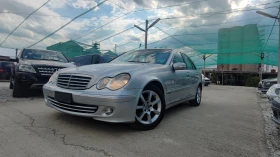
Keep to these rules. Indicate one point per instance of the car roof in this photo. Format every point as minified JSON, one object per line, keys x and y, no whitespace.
{"x":94,"y":54}
{"x":40,"y":50}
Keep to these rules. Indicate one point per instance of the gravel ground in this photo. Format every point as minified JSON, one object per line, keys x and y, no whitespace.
{"x":228,"y":123}
{"x":272,"y":131}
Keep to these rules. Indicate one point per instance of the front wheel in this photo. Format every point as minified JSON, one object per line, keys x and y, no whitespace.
{"x":197,"y":100}
{"x":18,"y":90}
{"x":11,"y":83}
{"x":150,"y":109}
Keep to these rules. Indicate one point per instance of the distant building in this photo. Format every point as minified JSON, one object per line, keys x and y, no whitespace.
{"x":72,"y":48}
{"x":69,"y":48}
{"x":239,"y":67}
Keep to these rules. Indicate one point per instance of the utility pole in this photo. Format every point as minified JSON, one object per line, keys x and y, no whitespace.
{"x":16,"y":52}
{"x":204,"y":58}
{"x":147,"y":29}
{"x":262,"y":57}
{"x":277,"y":18}
{"x":116,"y":48}
{"x":222,"y":74}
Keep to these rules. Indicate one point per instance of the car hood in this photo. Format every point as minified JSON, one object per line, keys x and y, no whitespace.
{"x":98,"y":71}
{"x":109,"y":69}
{"x":48,"y":63}
{"x":270,"y":80}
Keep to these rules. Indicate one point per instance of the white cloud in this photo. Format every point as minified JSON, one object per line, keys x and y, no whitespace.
{"x":48,"y":19}
{"x":84,"y":4}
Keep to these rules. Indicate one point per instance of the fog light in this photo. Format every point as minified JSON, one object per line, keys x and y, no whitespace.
{"x":108,"y":111}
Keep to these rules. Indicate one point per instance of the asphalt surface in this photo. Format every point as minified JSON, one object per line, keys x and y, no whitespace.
{"x":229,"y":122}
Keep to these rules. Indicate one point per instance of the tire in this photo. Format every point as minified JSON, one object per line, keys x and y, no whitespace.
{"x":18,"y":90}
{"x":197,"y":100}
{"x":11,"y":83}
{"x":151,"y":112}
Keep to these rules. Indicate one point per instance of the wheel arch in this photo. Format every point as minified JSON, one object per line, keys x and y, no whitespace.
{"x":157,"y":83}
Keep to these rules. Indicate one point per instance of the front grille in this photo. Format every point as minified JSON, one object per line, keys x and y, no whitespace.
{"x":73,"y":107}
{"x":73,"y":81}
{"x":47,"y":70}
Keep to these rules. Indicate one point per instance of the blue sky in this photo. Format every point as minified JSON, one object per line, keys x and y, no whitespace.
{"x":183,"y":17}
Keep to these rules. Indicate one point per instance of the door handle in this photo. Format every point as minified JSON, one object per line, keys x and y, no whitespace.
{"x":188,"y":74}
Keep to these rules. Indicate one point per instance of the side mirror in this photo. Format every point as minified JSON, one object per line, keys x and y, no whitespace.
{"x":179,"y":66}
{"x":17,"y":59}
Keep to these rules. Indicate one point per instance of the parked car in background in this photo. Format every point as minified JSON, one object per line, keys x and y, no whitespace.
{"x":92,"y":59}
{"x":205,"y":80}
{"x":276,"y":110}
{"x":34,"y":68}
{"x":5,"y":70}
{"x":273,"y":92}
{"x":265,"y":84}
{"x":136,"y":87}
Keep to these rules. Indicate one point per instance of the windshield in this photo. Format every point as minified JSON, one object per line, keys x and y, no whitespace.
{"x":43,"y":55}
{"x":148,"y":56}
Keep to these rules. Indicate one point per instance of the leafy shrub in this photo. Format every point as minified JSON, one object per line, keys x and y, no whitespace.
{"x":252,"y":81}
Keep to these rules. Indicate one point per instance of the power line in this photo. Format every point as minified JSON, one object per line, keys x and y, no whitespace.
{"x":69,"y":22}
{"x":163,"y":18}
{"x":218,"y":24}
{"x":214,"y":13}
{"x":271,"y":30}
{"x":102,"y":26}
{"x":171,"y":36}
{"x":23,"y":22}
{"x":116,"y":34}
{"x":126,"y":15}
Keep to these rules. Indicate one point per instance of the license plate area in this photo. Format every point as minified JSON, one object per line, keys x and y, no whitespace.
{"x":63,"y":97}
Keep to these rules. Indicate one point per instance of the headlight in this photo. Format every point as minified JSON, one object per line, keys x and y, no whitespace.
{"x":53,"y":78}
{"x":26,"y":68}
{"x":114,"y":83}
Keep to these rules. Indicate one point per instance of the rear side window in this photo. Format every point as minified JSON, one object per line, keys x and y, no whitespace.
{"x":189,"y":63}
{"x":82,"y":60}
{"x":96,"y":59}
{"x":178,"y":58}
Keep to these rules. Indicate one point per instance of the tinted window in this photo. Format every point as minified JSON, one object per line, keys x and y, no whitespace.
{"x":188,"y":62}
{"x":34,"y":54}
{"x":96,"y":59}
{"x":144,"y":56}
{"x":107,"y":58}
{"x":82,"y":60}
{"x":178,"y":58}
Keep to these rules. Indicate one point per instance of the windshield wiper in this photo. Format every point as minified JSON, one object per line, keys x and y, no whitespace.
{"x":137,"y":62}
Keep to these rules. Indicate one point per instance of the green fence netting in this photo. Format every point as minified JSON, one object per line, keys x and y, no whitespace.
{"x":227,"y":32}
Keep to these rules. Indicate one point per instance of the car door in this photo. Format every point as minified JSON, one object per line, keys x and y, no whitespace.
{"x":193,"y":75}
{"x":180,"y":85}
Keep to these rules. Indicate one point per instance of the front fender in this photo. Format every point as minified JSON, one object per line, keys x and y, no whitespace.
{"x":143,"y":81}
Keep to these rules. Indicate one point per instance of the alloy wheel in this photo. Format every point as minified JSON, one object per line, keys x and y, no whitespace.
{"x":149,"y":107}
{"x":198,"y":95}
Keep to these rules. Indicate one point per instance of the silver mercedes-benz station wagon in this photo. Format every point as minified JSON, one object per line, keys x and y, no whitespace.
{"x":136,"y":87}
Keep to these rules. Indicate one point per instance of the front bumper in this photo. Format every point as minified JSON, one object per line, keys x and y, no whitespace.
{"x":33,"y":80}
{"x":94,"y":103}
{"x":207,"y":82}
{"x":264,"y":90}
{"x":276,"y":114}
